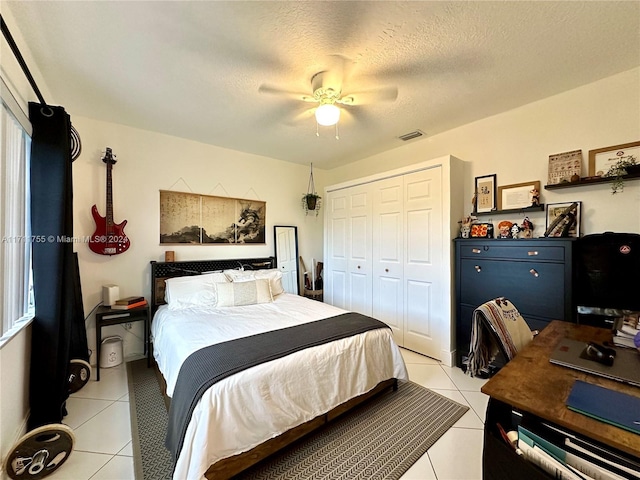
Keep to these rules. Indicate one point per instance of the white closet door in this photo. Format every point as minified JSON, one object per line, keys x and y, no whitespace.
{"x":336,"y":264}
{"x":348,"y":277}
{"x":359,"y":248}
{"x":388,"y":254}
{"x":425,"y":270}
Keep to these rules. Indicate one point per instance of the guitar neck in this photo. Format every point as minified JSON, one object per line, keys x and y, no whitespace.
{"x":109,"y":217}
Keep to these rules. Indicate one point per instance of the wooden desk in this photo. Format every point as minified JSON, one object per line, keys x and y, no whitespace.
{"x":531,"y":384}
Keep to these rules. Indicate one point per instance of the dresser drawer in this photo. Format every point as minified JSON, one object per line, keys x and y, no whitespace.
{"x":512,"y":251}
{"x":536,"y":288}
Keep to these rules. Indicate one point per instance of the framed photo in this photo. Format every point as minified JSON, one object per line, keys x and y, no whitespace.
{"x":601,"y":159}
{"x":554,"y":210}
{"x":486,"y":193}
{"x":518,"y":195}
{"x":563,"y":166}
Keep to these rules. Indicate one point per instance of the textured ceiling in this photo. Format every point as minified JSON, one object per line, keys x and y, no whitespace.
{"x":194,"y":69}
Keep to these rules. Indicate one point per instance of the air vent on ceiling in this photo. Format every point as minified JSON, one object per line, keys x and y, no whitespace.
{"x":411,"y":135}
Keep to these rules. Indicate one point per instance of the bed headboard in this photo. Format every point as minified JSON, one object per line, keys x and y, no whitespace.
{"x":160,"y":271}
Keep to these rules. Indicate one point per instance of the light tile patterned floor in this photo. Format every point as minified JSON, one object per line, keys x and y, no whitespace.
{"x":99,"y":415}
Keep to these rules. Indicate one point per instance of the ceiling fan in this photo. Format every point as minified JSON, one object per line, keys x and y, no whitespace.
{"x":327,"y":93}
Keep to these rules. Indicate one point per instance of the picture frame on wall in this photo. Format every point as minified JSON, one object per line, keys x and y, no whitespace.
{"x":194,"y":219}
{"x":602,"y":159}
{"x":564,"y":166}
{"x":554,"y":210}
{"x":518,"y":195}
{"x":485,"y":198}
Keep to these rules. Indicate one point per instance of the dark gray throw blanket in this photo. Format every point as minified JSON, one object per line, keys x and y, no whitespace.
{"x":211,"y":364}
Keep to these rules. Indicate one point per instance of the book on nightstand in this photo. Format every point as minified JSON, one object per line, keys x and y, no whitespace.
{"x":130,"y":306}
{"x":129,"y":300}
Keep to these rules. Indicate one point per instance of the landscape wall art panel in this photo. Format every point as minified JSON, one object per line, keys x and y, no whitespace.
{"x":194,"y":219}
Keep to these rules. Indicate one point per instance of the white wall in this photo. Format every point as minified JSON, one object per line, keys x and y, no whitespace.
{"x":516,"y":146}
{"x":149,"y":162}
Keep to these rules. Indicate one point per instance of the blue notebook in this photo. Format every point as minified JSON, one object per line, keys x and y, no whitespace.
{"x":619,"y":409}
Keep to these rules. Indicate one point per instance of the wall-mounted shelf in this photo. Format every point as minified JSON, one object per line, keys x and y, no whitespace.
{"x":590,"y":181}
{"x":537,"y":208}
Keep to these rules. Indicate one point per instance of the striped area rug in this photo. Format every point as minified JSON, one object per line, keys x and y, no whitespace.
{"x":381,"y":440}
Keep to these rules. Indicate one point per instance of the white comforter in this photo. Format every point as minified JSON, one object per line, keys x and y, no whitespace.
{"x":248,"y":408}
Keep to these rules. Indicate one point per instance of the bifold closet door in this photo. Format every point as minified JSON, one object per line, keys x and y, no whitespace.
{"x":425,"y":270}
{"x":349,"y":244}
{"x":388,"y":254}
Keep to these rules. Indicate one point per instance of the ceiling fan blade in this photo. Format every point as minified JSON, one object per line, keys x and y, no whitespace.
{"x":306,"y":114}
{"x":382,"y":94}
{"x":271,"y":90}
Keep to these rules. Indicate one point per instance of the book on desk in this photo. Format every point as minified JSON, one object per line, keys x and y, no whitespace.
{"x":563,"y":455}
{"x":567,"y":449}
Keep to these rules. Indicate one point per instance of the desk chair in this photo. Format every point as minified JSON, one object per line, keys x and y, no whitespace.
{"x":497,"y":329}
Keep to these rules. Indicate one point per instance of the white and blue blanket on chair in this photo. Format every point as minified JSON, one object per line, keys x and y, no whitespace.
{"x":496,"y":321}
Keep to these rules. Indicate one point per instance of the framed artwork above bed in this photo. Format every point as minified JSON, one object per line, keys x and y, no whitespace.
{"x":194,"y":219}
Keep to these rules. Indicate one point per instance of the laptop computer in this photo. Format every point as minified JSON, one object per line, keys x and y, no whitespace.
{"x":626,"y":366}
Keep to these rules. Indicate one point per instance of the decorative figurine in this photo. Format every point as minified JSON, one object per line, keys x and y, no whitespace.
{"x":504,"y":229}
{"x":515,"y":231}
{"x":535,"y":197}
{"x":526,"y":228}
{"x":465,"y":227}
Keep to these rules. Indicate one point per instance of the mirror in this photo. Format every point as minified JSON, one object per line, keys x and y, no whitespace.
{"x":286,"y":238}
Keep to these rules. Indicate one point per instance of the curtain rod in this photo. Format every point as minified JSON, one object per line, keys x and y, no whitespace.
{"x":20,"y":59}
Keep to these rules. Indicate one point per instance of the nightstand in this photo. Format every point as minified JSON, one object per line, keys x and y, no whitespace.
{"x":106,"y":316}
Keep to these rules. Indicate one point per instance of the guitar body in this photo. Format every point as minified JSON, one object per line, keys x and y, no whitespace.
{"x":108,"y":241}
{"x":109,"y":237}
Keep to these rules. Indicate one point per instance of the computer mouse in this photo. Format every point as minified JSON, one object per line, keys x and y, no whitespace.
{"x":601,"y":354}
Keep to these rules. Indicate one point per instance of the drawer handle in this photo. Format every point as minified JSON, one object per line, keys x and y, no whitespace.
{"x":386,"y":270}
{"x":476,"y":250}
{"x":534,"y":272}
{"x":358,"y":267}
{"x":478,"y":268}
{"x":533,"y":253}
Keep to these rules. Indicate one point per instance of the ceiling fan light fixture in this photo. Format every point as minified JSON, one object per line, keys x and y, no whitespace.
{"x":327,"y":114}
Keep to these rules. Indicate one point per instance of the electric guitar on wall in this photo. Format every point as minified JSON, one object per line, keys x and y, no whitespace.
{"x":109,"y":237}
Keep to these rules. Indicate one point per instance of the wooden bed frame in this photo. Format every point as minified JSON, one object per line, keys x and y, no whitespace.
{"x":228,"y":467}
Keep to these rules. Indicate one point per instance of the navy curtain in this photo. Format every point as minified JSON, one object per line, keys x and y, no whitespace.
{"x":58,"y":332}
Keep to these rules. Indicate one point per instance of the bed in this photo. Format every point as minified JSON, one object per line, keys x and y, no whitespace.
{"x":245,"y":416}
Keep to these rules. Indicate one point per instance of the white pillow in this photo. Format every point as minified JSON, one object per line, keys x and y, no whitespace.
{"x":250,"y":292}
{"x":192,"y":291}
{"x":273,"y":275}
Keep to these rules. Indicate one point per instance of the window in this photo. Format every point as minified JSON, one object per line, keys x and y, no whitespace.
{"x":16,"y":292}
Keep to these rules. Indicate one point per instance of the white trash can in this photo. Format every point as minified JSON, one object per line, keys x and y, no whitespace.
{"x":111,"y":352}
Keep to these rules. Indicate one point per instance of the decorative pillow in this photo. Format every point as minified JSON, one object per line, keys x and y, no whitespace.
{"x":273,"y":275}
{"x":250,"y":292}
{"x":192,"y":291}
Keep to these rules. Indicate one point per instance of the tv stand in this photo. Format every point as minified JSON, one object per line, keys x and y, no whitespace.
{"x":536,"y":390}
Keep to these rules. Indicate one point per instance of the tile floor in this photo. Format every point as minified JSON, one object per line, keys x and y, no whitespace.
{"x":99,"y":416}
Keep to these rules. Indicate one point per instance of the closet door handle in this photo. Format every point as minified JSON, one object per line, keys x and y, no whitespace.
{"x":478,"y":268}
{"x":533,"y":253}
{"x":534,"y":272}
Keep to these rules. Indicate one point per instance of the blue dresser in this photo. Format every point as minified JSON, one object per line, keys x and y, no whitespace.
{"x":536,"y":275}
